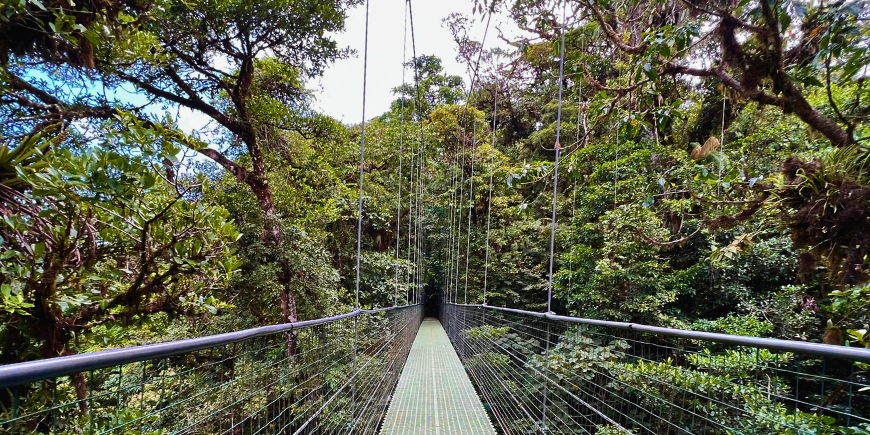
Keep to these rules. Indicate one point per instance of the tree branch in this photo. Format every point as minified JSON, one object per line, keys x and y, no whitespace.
{"x":612,"y":35}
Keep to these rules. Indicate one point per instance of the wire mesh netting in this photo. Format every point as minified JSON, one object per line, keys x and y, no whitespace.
{"x":325,"y":378}
{"x":540,"y":375}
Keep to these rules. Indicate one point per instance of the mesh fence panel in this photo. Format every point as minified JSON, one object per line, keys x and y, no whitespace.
{"x":540,"y":375}
{"x":328,"y":378}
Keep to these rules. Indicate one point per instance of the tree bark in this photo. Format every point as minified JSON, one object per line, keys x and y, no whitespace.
{"x":81,"y":387}
{"x":288,"y":314}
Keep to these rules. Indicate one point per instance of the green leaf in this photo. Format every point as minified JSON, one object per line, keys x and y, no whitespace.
{"x":148,"y":180}
{"x":812,"y":81}
{"x":665,"y":50}
{"x":38,"y":4}
{"x":784,"y":20}
{"x":39,"y":250}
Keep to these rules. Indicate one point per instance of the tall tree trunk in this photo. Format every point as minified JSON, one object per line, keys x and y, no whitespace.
{"x":288,"y":305}
{"x":78,"y":380}
{"x":258,"y":181}
{"x":260,"y":187}
{"x":259,"y":184}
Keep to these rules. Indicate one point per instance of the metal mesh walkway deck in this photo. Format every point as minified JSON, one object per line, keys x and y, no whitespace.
{"x":434,"y":395}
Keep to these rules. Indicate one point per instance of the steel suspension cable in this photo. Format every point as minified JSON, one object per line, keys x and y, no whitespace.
{"x":418,"y":226}
{"x":410,"y":222}
{"x":359,"y":210}
{"x":458,"y":195}
{"x":556,"y":165}
{"x":422,"y":145}
{"x":469,"y":95}
{"x":489,"y":201}
{"x":721,"y":147}
{"x":459,"y":220}
{"x":362,"y":149}
{"x":411,"y":216}
{"x":577,"y":141}
{"x":401,"y":151}
{"x":453,"y":230}
{"x":616,"y":162}
{"x":413,"y":229}
{"x":421,"y":280}
{"x":470,"y":201}
{"x":448,"y":270}
{"x":419,"y":207}
{"x":580,"y":105}
{"x":553,"y":220}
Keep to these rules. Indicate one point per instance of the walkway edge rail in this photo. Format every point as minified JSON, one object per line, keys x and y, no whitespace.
{"x":818,"y":349}
{"x":33,"y":371}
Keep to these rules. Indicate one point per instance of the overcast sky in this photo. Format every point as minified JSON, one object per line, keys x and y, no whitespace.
{"x":339,"y":91}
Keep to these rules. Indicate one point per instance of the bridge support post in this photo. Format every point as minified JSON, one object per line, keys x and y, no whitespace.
{"x":546,"y":376}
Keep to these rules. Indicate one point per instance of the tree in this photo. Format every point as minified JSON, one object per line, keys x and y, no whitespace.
{"x":199,"y":42}
{"x":64,"y":31}
{"x":103,"y":240}
{"x":435,"y":87}
{"x":209,"y":64}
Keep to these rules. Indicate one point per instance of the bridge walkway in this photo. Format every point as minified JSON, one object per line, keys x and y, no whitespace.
{"x":434,"y":394}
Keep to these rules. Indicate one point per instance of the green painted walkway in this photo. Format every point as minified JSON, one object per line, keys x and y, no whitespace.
{"x":434,"y":395}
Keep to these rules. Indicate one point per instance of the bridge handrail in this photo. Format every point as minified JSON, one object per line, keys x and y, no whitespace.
{"x":33,"y":371}
{"x":818,"y":349}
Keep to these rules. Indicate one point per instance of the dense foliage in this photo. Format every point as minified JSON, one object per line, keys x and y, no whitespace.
{"x":713,"y":173}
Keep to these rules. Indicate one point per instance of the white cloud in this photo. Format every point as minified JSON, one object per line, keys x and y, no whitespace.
{"x":339,"y":91}
{"x":192,"y":121}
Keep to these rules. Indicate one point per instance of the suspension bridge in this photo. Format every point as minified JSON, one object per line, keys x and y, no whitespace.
{"x":487,"y":370}
{"x":475,"y":369}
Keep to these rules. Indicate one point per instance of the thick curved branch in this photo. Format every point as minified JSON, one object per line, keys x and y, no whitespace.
{"x":612,"y":35}
{"x":654,"y":242}
{"x":240,"y":172}
{"x":196,"y":104}
{"x":791,"y":101}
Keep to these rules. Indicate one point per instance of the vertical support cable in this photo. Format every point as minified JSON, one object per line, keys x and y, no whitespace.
{"x":410,"y":221}
{"x":553,"y":222}
{"x":581,"y":106}
{"x":462,"y":176}
{"x":616,"y":166}
{"x":362,"y":150}
{"x":470,"y":199}
{"x":401,"y":151}
{"x":449,"y":268}
{"x":415,"y":230}
{"x":459,"y":208}
{"x":576,"y":142}
{"x":470,"y":208}
{"x":556,"y":165}
{"x":721,"y":147}
{"x":489,"y":201}
{"x":454,"y":236}
{"x":359,"y":217}
{"x":421,"y":148}
{"x":421,"y":206}
{"x":412,"y":234}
